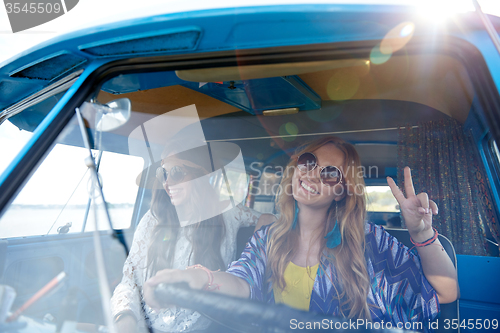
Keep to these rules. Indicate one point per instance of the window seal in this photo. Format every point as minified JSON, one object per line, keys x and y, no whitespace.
{"x":47,"y":92}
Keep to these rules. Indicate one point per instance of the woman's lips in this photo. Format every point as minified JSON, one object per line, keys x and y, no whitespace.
{"x":307,"y":187}
{"x":174,"y":193}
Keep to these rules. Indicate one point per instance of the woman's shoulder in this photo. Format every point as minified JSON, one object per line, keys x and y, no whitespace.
{"x":261,"y":235}
{"x":264,"y":230}
{"x":147,"y":221}
{"x":372,"y":228}
{"x":148,"y":216}
{"x":378,"y":233}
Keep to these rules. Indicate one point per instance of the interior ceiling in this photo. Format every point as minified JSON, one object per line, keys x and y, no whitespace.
{"x":438,"y":81}
{"x":237,"y":73}
{"x":362,"y":104}
{"x":161,"y":100}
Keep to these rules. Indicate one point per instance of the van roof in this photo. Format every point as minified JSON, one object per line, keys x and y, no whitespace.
{"x":244,"y":28}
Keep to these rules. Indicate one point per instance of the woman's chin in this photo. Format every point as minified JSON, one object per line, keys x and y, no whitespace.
{"x":178,"y":199}
{"x":178,"y":203}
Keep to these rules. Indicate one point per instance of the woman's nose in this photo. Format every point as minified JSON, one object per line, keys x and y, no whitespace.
{"x":313,"y":175}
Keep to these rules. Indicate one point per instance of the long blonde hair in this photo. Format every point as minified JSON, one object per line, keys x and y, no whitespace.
{"x":348,"y":258}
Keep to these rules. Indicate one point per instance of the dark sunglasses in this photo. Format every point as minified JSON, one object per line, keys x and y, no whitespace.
{"x":329,"y":175}
{"x":176,"y":174}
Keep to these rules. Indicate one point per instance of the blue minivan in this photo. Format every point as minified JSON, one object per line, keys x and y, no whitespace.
{"x":85,"y":119}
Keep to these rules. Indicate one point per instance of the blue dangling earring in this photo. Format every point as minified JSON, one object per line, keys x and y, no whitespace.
{"x":296,"y":216}
{"x":334,"y":238}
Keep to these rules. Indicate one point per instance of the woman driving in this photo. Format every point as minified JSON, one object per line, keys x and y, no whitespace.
{"x":321,"y":255}
{"x":187,"y":225}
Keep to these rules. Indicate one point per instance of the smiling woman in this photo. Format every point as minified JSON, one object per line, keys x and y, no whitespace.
{"x":188,"y":225}
{"x":219,"y":103}
{"x":322,"y":256}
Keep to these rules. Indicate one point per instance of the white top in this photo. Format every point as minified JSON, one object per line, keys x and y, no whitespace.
{"x":125,"y":296}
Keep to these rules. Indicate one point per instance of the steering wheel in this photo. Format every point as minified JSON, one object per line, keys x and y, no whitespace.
{"x":250,"y":316}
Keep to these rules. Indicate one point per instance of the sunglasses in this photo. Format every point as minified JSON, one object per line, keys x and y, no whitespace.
{"x":329,"y":175}
{"x":175,"y":175}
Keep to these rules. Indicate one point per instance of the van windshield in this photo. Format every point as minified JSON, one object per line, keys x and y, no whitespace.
{"x":16,"y":130}
{"x":203,"y":154}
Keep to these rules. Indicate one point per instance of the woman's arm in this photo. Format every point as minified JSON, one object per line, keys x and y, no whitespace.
{"x":438,"y":267}
{"x":417,"y":211}
{"x":197,"y":279}
{"x":244,"y":278}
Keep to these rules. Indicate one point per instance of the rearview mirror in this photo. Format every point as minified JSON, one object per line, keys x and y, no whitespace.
{"x":112,"y":115}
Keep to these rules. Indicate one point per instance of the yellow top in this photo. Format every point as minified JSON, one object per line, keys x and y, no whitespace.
{"x":299,"y":285}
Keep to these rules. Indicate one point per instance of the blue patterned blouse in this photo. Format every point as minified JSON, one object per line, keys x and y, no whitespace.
{"x":399,"y":291}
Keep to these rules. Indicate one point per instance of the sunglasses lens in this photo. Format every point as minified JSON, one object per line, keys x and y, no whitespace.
{"x":176,"y":174}
{"x":161,"y":175}
{"x":306,"y":162}
{"x":331,"y":175}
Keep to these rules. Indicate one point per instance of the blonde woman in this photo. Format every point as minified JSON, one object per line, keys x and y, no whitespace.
{"x":321,"y":255}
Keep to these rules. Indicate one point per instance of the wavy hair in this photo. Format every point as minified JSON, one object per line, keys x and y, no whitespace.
{"x":205,"y":236}
{"x":348,"y":258}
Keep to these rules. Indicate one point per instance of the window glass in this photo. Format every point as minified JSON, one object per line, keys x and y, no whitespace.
{"x":18,"y":129}
{"x":264,"y":206}
{"x":56,"y":198}
{"x":183,"y":167}
{"x":269,"y":184}
{"x":237,"y":181}
{"x":380,"y":199}
{"x":12,"y":140}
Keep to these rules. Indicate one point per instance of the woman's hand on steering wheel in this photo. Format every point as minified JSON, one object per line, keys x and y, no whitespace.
{"x":417,"y":210}
{"x":196,"y":278}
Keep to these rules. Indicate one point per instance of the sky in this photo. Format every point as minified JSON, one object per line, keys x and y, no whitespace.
{"x":94,"y":12}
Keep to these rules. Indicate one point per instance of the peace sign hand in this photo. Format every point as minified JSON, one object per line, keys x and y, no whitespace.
{"x":417,"y":210}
